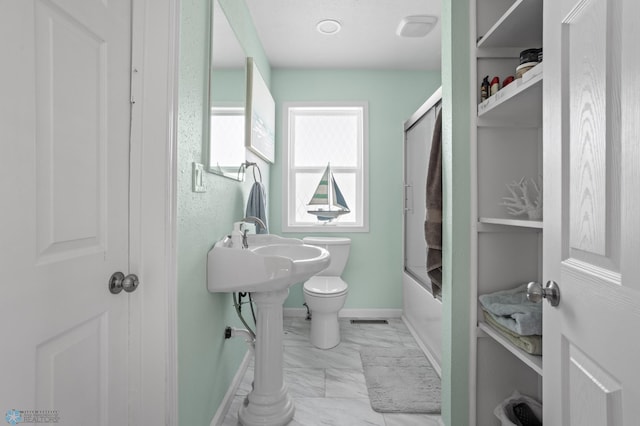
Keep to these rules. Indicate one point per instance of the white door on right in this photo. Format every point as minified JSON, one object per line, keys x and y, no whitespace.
{"x":591,"y":357}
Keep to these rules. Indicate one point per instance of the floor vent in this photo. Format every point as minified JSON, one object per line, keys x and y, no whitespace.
{"x":369,"y":321}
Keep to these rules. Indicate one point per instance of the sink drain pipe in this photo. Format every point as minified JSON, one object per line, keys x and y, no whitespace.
{"x":248,"y":334}
{"x":236,"y":304}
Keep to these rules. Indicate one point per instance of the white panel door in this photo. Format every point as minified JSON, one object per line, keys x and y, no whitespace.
{"x":64,"y":124}
{"x":592,"y":212}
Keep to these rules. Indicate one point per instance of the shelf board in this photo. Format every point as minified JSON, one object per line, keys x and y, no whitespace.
{"x":537,"y":224}
{"x":520,"y":26}
{"x":532,"y":361}
{"x":520,"y":103}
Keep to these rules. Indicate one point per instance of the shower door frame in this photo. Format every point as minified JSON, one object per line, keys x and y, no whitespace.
{"x":433,"y":103}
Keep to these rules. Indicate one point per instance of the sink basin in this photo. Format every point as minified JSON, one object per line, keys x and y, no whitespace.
{"x":270,"y":263}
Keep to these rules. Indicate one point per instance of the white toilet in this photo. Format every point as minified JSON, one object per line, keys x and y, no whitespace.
{"x":325,"y":293}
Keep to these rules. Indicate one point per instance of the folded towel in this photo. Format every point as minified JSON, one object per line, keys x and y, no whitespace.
{"x":530,"y":344}
{"x":512,"y":309}
{"x":257,"y":206}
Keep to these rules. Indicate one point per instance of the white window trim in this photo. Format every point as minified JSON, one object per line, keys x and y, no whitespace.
{"x":287,"y":189}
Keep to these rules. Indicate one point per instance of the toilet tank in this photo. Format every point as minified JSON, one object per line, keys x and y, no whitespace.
{"x":338,"y":248}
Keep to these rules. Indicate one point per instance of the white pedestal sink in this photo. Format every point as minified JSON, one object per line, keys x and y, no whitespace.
{"x":267,"y":269}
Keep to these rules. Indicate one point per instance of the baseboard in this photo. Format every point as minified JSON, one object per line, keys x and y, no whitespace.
{"x":218,"y":418}
{"x":423,"y":347}
{"x":349,"y":313}
{"x":295,"y":312}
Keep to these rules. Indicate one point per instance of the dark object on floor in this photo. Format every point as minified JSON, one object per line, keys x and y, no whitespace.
{"x":519,"y":410}
{"x":525,"y":415}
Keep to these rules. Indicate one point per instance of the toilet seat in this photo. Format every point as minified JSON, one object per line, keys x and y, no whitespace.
{"x":323,"y":286}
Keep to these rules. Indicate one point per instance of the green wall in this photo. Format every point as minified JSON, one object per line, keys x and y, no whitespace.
{"x":229,"y":85}
{"x":456,"y":220}
{"x":375,"y":263}
{"x":206,"y":362}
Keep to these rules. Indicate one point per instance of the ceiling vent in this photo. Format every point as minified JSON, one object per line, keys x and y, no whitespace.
{"x":416,"y":26}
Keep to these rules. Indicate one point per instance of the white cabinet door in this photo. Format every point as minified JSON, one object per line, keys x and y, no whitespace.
{"x":64,"y":185}
{"x":592,"y":212}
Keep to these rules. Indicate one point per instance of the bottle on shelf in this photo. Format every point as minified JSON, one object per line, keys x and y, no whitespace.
{"x":484,"y":89}
{"x":495,"y":85}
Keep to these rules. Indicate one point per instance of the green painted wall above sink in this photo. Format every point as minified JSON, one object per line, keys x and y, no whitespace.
{"x":375,"y":262}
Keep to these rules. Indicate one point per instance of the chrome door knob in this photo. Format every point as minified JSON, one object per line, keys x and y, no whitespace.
{"x":551,"y":292}
{"x":119,"y":282}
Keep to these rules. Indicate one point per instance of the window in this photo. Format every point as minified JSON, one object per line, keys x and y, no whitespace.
{"x":319,"y":135}
{"x":226,"y":128}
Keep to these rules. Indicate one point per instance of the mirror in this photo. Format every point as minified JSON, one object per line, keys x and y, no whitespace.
{"x":224,"y":141}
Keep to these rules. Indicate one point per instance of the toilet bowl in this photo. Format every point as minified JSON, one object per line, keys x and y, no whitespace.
{"x":326,"y":292}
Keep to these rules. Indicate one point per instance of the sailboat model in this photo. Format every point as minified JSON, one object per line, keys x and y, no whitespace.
{"x":327,"y":202}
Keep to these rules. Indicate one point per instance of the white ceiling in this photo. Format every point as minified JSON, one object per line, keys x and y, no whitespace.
{"x":368,"y":40}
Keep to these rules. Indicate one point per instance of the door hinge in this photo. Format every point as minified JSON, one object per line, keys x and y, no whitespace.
{"x":134,"y":85}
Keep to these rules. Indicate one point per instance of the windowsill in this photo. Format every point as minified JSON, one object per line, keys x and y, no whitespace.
{"x":328,"y":228}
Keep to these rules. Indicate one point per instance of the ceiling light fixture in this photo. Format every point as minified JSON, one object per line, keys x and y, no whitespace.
{"x":328,"y":27}
{"x":416,"y":26}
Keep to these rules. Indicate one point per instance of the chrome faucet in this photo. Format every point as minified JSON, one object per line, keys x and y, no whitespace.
{"x":254,"y":219}
{"x":250,"y":219}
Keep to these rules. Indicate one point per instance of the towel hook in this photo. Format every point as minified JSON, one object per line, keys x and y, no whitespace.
{"x":255,"y":166}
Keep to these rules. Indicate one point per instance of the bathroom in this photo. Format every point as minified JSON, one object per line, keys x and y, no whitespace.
{"x":161,"y":296}
{"x":156,"y":346}
{"x":206,"y":362}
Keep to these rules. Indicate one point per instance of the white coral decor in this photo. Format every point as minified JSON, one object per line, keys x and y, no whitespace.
{"x":526,"y":198}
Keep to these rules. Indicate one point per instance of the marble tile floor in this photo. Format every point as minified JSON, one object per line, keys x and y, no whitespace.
{"x":328,"y":386}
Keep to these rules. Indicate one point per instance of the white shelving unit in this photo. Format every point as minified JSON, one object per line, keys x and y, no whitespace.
{"x":520,"y":25}
{"x":512,"y":222}
{"x":532,"y":361}
{"x":518,"y":104}
{"x":508,"y":146}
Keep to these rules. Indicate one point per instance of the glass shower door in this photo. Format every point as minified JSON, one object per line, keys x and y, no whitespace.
{"x":417,"y":147}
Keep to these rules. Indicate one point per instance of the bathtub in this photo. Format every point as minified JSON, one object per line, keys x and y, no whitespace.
{"x":422,"y":313}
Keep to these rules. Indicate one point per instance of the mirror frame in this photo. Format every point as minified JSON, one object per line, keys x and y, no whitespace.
{"x":235,"y":172}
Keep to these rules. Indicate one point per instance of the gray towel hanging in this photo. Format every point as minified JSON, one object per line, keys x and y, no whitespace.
{"x":433,"y":222}
{"x":257,"y":206}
